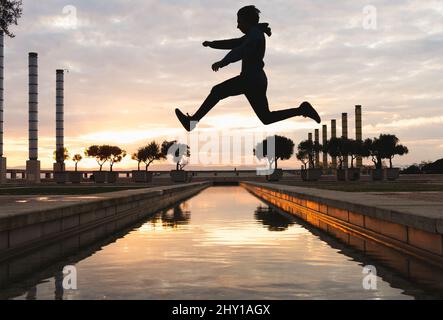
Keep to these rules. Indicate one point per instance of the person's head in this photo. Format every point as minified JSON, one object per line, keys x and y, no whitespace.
{"x":247,"y":17}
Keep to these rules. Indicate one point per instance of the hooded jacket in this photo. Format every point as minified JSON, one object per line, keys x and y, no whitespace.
{"x":250,"y":49}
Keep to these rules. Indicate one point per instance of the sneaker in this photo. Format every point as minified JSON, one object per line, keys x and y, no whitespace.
{"x":308,"y":111}
{"x":185,"y":120}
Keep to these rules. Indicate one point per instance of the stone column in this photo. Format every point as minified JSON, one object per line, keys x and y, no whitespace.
{"x":310,"y":139}
{"x":344,"y":134}
{"x":317,"y":154}
{"x":59,"y":118}
{"x":324,"y":141}
{"x":2,"y":159}
{"x":33,"y":164}
{"x":334,"y":135}
{"x":358,"y":131}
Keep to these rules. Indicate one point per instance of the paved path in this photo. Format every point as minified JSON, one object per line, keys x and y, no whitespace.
{"x":415,"y":209}
{"x":16,"y":205}
{"x":431,"y":196}
{"x":10,"y":205}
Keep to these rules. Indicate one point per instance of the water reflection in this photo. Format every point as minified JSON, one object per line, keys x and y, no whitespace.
{"x":177,"y":216}
{"x":234,"y":247}
{"x":272,"y":219}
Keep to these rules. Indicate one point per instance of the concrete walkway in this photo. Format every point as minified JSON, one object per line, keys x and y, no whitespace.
{"x":429,"y":196}
{"x":22,"y":204}
{"x":404,"y":208}
{"x":30,"y":221}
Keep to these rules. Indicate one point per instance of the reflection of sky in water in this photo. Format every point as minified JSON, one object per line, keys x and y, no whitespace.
{"x":216,"y":246}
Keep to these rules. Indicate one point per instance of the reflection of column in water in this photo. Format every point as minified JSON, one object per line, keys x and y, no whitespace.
{"x":59,"y":285}
{"x":32,"y":293}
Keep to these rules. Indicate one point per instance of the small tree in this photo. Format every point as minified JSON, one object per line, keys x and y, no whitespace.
{"x":384,"y":147}
{"x":356,"y":149}
{"x":150,"y":153}
{"x":390,"y":147}
{"x":179,"y":152}
{"x":77,"y":158}
{"x":10,"y":12}
{"x":61,"y":155}
{"x":303,"y":156}
{"x":283,"y":150}
{"x":116,"y":155}
{"x":135,"y":157}
{"x":373,"y":150}
{"x":100,"y":153}
{"x":307,"y":150}
{"x":339,"y":148}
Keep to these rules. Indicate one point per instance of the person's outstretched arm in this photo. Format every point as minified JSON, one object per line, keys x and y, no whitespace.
{"x":225,"y":44}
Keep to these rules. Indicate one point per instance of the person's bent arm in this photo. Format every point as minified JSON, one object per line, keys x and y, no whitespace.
{"x":236,"y":54}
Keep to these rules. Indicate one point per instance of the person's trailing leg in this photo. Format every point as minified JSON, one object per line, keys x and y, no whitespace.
{"x":259,"y":103}
{"x":228,"y":88}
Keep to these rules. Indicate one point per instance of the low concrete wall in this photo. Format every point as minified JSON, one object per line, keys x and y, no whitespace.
{"x":28,"y":230}
{"x":419,"y":235}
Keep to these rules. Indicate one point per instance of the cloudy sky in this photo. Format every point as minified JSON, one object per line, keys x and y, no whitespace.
{"x":131,"y":62}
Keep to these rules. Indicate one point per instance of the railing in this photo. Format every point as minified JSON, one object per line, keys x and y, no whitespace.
{"x":20,"y":174}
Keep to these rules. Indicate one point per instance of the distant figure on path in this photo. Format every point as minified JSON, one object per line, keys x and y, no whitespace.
{"x":252,"y":81}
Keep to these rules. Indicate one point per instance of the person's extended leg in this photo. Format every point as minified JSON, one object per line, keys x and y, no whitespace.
{"x":256,"y":95}
{"x":228,"y":88}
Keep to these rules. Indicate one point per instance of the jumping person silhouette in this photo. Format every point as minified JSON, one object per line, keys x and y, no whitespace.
{"x":252,"y":81}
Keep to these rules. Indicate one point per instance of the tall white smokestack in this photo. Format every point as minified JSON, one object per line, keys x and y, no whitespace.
{"x":33,"y":165}
{"x":2,"y":159}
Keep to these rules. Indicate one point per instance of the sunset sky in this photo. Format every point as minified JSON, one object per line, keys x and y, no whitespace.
{"x":132,"y":62}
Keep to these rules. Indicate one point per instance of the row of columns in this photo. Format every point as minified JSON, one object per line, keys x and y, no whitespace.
{"x":33,"y":164}
{"x":344,"y":121}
